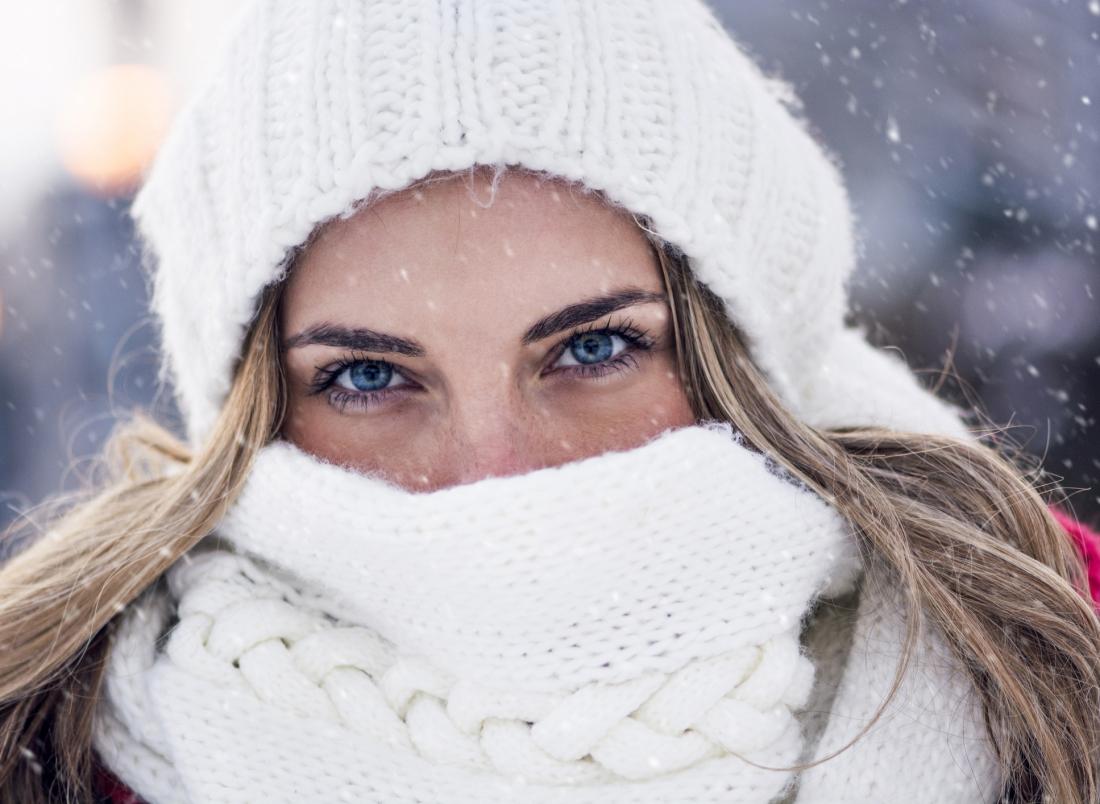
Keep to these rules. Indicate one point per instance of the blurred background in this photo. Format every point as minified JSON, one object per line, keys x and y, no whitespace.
{"x":968,"y":131}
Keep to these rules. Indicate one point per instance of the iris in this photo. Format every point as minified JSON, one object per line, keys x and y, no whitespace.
{"x":592,"y":347}
{"x":370,"y":375}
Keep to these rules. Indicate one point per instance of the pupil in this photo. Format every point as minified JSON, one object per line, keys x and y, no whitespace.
{"x":592,"y":347}
{"x":370,"y":376}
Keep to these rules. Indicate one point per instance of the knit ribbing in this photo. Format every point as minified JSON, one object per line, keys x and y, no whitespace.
{"x":607,"y":630}
{"x":318,"y":104}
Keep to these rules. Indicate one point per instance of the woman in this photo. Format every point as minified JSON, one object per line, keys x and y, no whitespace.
{"x":561,"y":482}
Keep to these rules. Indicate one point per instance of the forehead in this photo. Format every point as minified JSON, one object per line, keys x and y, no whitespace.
{"x":454,"y":245}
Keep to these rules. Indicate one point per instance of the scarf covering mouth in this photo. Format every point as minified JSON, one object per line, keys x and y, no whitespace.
{"x":625,"y":627}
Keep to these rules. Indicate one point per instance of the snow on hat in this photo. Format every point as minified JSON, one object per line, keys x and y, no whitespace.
{"x":317,"y":103}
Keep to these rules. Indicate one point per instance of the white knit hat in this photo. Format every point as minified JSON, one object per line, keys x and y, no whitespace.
{"x":316,"y":103}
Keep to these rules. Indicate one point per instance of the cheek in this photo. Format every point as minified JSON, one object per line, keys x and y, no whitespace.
{"x":391,"y":446}
{"x":627,"y":416}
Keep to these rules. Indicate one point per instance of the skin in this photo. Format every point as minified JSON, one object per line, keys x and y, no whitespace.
{"x":466,"y":282}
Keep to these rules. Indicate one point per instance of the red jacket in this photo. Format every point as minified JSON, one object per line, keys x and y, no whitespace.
{"x":112,"y":791}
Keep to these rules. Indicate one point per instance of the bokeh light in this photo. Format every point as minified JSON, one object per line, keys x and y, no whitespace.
{"x":110,"y":125}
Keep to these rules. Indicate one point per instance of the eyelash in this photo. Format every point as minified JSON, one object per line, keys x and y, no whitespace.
{"x":637,"y":340}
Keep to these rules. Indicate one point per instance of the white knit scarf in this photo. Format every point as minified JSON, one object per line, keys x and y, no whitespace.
{"x":629,"y":627}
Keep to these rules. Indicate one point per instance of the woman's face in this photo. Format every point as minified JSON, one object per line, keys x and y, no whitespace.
{"x":436,"y":341}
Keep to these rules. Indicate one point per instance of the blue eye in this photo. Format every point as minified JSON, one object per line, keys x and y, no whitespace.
{"x":589,"y":348}
{"x":365,"y":376}
{"x":594,"y":347}
{"x":363,"y":383}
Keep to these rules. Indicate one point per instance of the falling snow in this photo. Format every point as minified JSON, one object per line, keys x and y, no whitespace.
{"x":893,"y":133}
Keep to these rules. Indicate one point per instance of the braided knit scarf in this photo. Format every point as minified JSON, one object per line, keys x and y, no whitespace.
{"x":639,"y":626}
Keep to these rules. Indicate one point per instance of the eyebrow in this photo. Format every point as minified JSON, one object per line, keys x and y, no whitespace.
{"x":589,"y":310}
{"x":368,"y":340}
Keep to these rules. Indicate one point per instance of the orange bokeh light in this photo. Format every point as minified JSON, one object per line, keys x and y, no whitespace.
{"x":110,"y":126}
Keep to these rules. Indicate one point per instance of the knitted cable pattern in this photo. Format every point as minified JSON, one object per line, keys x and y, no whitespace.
{"x":607,"y":630}
{"x":238,"y":629}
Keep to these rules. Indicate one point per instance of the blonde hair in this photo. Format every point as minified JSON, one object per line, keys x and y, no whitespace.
{"x":960,"y":525}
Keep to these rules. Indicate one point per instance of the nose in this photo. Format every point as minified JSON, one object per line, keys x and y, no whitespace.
{"x":492,"y":438}
{"x":499,"y":457}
